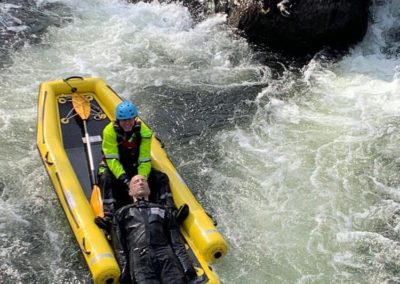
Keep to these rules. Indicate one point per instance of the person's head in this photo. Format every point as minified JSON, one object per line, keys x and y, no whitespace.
{"x":139,"y":188}
{"x":126,"y":114}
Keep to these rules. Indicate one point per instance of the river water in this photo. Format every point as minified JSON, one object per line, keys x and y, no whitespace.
{"x":299,"y":166}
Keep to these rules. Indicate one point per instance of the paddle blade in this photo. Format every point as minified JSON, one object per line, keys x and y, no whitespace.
{"x":81,"y":105}
{"x":96,"y":202}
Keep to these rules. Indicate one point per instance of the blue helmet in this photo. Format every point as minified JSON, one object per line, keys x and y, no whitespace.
{"x":126,"y":110}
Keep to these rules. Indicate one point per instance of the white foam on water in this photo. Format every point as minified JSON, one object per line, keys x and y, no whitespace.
{"x":319,"y":151}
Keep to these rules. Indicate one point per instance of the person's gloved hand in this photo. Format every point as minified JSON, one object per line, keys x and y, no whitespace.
{"x":190,"y":272}
{"x":181,"y":213}
{"x":124,"y":180}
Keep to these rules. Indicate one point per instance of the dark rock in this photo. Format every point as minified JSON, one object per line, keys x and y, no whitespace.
{"x":311,"y":25}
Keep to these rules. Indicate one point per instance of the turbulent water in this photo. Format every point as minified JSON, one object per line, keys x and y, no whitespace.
{"x":300,"y":167}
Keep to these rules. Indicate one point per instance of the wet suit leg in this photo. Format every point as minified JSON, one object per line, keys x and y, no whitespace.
{"x":105,"y":179}
{"x":141,"y":267}
{"x":160,"y":191}
{"x":113,"y":192}
{"x":168,"y":266}
{"x":156,"y":265}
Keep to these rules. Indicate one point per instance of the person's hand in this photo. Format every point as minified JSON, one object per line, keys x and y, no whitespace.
{"x":181,"y":213}
{"x":190,"y":272}
{"x":124,"y":180}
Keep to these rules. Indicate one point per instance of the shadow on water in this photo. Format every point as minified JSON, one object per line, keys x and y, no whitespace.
{"x":24,"y":21}
{"x":195,"y":113}
{"x":187,"y":121}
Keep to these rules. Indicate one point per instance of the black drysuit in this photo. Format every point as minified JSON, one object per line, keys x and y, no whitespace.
{"x":147,"y":244}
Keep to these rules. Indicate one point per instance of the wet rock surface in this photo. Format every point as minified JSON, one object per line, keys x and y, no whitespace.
{"x":24,"y":21}
{"x":311,"y":25}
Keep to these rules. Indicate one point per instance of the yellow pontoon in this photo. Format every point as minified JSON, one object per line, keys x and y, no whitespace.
{"x":71,"y":146}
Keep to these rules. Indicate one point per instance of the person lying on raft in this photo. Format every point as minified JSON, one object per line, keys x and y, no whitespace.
{"x":146,"y":241}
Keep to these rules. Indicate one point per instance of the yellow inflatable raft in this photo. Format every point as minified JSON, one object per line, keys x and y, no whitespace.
{"x":69,"y":160}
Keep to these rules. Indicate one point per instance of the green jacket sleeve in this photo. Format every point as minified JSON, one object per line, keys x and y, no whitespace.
{"x":145,"y":151}
{"x":110,"y":150}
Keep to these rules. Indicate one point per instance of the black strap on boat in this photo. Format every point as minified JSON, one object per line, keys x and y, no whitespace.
{"x":73,"y":89}
{"x":73,"y":77}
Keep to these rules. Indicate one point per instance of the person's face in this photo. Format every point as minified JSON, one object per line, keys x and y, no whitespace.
{"x":127,"y":124}
{"x":139,"y":188}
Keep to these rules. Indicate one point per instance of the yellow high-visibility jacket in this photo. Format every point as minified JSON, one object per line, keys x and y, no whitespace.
{"x":121,"y":153}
